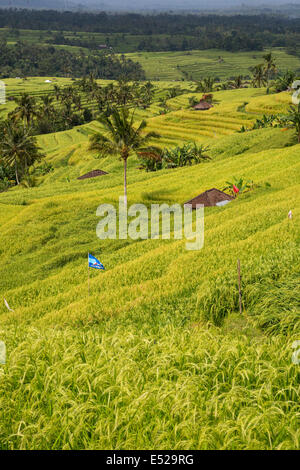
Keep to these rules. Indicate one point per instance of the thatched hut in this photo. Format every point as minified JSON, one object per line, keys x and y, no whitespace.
{"x":211,"y":197}
{"x":92,"y":174}
{"x":203,"y":106}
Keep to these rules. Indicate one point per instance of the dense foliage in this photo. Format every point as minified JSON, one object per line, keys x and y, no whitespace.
{"x":163,"y":31}
{"x":18,"y":150}
{"x":27,"y":59}
{"x":179,"y":156}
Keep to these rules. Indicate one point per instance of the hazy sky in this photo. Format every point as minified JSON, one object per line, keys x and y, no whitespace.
{"x":185,"y":3}
{"x":144,"y":4}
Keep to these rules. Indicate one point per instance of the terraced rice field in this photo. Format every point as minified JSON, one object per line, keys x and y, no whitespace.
{"x":38,"y":87}
{"x":158,"y":356}
{"x":199,"y":64}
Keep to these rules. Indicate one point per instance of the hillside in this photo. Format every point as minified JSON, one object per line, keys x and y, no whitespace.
{"x":158,"y":356}
{"x":200,"y":63}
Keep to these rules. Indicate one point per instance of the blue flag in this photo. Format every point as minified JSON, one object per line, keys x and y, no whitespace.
{"x":95,"y":263}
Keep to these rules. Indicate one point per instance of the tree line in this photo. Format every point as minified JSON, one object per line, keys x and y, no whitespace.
{"x":163,"y":31}
{"x":25,"y":59}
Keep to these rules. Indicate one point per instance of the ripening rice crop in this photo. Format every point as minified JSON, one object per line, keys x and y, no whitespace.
{"x":158,"y":356}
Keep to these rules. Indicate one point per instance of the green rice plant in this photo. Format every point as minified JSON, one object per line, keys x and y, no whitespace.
{"x":158,"y":356}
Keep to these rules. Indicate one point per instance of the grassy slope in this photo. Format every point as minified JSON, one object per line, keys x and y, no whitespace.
{"x":157,"y":357}
{"x":199,"y":64}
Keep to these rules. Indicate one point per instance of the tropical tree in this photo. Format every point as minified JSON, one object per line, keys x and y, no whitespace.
{"x":206,"y":85}
{"x":185,"y":155}
{"x":283,"y":82}
{"x":77,"y":102}
{"x":238,"y":81}
{"x":193,"y":101}
{"x":18,"y":149}
{"x":188,"y":154}
{"x":121,"y":138}
{"x":293,"y":119}
{"x":259,"y":76}
{"x":57,"y":92}
{"x":151,"y":159}
{"x":173,"y":92}
{"x":47,"y":107}
{"x":124,"y":92}
{"x":26,"y":108}
{"x":270,"y":65}
{"x":148,"y":92}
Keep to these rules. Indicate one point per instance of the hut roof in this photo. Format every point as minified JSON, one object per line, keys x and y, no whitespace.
{"x":203,"y":105}
{"x":211,"y":197}
{"x":92,"y":174}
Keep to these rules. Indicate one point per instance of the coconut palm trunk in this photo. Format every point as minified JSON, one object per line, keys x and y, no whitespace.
{"x":125,"y":183}
{"x":16,"y":172}
{"x":125,"y":155}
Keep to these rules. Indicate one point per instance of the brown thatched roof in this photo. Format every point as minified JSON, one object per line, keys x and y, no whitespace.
{"x":203,"y":105}
{"x":92,"y":174}
{"x":211,"y":197}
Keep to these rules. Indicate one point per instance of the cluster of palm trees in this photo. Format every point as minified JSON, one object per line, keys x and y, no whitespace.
{"x":262,"y":73}
{"x":46,"y":115}
{"x":18,"y":148}
{"x":122,"y":93}
{"x":62,"y":109}
{"x":209,"y":84}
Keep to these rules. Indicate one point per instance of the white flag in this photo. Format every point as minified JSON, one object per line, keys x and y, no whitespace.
{"x":290,"y":215}
{"x":7,"y":306}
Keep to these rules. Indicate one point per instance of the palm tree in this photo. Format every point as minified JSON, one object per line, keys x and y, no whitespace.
{"x":285,"y":81}
{"x":122,"y":138}
{"x":18,"y":148}
{"x":47,"y":108}
{"x":66,"y":110}
{"x":124,"y":92}
{"x":238,"y":81}
{"x":259,"y":76}
{"x":206,"y":85}
{"x":270,"y":65}
{"x":57,"y":92}
{"x":147,"y":94}
{"x":26,"y":107}
{"x":77,"y":102}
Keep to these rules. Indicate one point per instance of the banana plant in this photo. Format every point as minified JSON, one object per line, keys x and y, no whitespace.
{"x":238,"y":186}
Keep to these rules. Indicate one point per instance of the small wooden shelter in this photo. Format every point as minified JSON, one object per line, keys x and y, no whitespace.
{"x":92,"y":174}
{"x":211,"y":197}
{"x":203,"y":106}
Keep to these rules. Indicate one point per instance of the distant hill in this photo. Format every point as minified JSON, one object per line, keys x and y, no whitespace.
{"x":232,"y":6}
{"x":41,"y":4}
